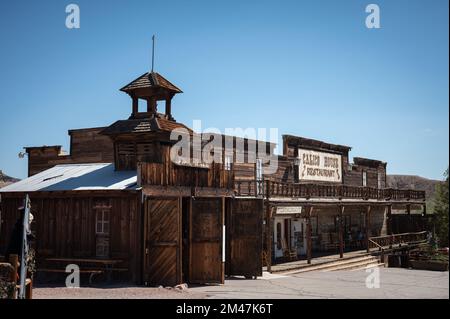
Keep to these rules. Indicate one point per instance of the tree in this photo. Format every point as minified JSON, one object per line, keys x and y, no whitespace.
{"x":441,"y":211}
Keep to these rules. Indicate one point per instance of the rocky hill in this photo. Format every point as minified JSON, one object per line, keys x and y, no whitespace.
{"x":6,"y":180}
{"x":413,"y":182}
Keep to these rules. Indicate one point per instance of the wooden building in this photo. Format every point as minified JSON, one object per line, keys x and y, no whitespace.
{"x":118,"y":196}
{"x":319,"y":202}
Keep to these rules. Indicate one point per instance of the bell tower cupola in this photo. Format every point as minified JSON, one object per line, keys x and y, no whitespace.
{"x":152,"y":88}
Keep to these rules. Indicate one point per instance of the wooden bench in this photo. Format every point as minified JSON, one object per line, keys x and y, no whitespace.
{"x":92,"y":272}
{"x":87,"y":265}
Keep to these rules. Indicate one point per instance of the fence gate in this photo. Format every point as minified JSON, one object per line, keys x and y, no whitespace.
{"x":206,"y":241}
{"x":162,"y":233}
{"x":244,"y":232}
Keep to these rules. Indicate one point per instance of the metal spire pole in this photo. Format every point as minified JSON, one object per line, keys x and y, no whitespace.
{"x":153,"y":52}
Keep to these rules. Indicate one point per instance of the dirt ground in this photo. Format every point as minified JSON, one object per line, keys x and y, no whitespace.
{"x":394,"y":283}
{"x":114,"y":292}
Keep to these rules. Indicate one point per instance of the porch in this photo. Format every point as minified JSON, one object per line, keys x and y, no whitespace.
{"x":378,"y":246}
{"x":308,"y":224}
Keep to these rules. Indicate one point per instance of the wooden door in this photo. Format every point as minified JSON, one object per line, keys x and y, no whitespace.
{"x":244,"y":232}
{"x":206,"y":241}
{"x":162,"y":231}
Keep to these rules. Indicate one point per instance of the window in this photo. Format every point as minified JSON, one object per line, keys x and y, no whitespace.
{"x":228,"y":162}
{"x":102,"y":222}
{"x":259,"y":170}
{"x":380,"y":180}
{"x":102,"y":218}
{"x":364,"y":178}
{"x":259,"y":177}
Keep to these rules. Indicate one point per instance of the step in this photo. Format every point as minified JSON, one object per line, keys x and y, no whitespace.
{"x":294,"y":266}
{"x":353,"y":265}
{"x":378,"y":265}
{"x":331,"y":264}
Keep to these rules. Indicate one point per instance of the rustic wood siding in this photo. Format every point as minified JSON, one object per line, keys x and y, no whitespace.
{"x":86,"y":146}
{"x":65,"y":227}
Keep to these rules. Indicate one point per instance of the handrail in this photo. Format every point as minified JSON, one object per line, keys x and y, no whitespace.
{"x":399,"y":239}
{"x":375,"y":244}
{"x":394,"y":239}
{"x":402,"y":234}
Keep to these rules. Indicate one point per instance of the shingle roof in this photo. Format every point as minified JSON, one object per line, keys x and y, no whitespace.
{"x":150,"y":80}
{"x":154,"y":124}
{"x":72,"y":177}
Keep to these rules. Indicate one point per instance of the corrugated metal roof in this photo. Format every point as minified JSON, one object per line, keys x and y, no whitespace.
{"x":98,"y":176}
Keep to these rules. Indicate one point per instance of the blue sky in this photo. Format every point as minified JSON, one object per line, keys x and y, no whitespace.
{"x":309,"y":68}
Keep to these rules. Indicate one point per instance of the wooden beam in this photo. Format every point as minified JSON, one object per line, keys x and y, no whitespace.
{"x":14,"y":261}
{"x":368,"y":227}
{"x":224,"y":238}
{"x":269,"y":234}
{"x":135,"y":106}
{"x":408,"y":213}
{"x":309,"y":210}
{"x":212,"y":192}
{"x":169,"y":108}
{"x":341,"y":235}
{"x":389,"y":220}
{"x":167,"y":191}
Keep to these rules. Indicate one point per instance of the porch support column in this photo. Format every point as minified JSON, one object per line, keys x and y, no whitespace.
{"x":408,"y":213}
{"x":389,"y":224}
{"x":389,"y":220}
{"x":269,"y":236}
{"x":368,"y":227}
{"x":309,"y":210}
{"x":341,"y":235}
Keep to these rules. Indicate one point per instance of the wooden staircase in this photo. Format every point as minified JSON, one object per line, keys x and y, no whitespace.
{"x":352,"y":263}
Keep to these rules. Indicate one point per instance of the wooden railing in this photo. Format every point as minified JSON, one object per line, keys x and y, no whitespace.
{"x":279,"y":189}
{"x":383,"y":243}
{"x":389,"y":241}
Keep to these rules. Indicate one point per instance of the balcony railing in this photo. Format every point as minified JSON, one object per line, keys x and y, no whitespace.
{"x":272,"y":189}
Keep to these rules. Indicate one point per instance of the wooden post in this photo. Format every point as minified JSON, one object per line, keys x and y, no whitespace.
{"x":14,"y":261}
{"x":341,"y":235}
{"x":29,"y":290}
{"x":389,"y":225}
{"x":308,"y":233}
{"x":169,"y":108}
{"x":223,"y":239}
{"x":408,"y":212}
{"x":135,"y":105}
{"x":151,"y":105}
{"x":269,"y":234}
{"x":389,"y":220}
{"x":367,"y":227}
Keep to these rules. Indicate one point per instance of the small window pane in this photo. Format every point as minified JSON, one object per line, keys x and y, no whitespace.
{"x":106,"y":228}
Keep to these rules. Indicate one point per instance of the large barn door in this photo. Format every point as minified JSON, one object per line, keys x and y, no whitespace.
{"x":244,"y":231}
{"x":206,"y":241}
{"x":162,"y":255}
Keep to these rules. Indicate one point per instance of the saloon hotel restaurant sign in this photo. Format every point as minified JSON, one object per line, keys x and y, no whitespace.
{"x":319,"y":166}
